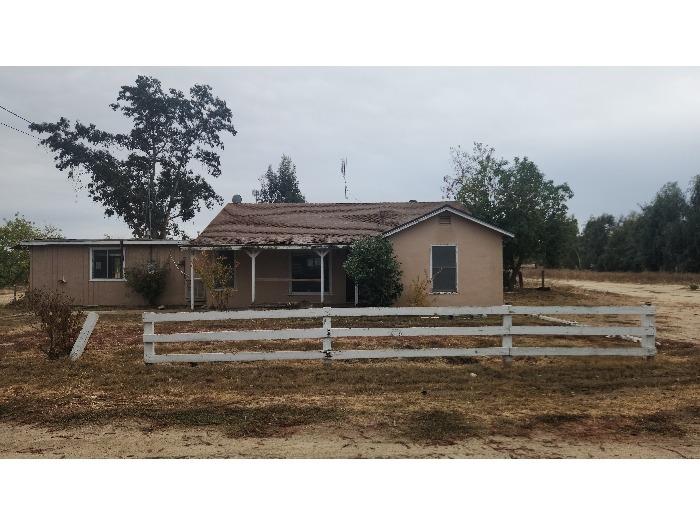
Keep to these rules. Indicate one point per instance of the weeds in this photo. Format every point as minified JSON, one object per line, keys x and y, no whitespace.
{"x":438,"y":427}
{"x":418,"y":293}
{"x":59,"y":321}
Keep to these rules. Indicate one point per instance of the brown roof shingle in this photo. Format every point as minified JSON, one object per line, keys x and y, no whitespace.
{"x":310,"y":223}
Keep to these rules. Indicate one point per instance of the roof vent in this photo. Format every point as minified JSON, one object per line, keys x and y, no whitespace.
{"x":413,"y":200}
{"x":236,"y":199}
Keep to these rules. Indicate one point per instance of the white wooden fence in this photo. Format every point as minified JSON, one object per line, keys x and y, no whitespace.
{"x":506,"y":330}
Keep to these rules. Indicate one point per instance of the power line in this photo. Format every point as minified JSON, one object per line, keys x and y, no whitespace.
{"x":11,"y":127}
{"x":16,"y":115}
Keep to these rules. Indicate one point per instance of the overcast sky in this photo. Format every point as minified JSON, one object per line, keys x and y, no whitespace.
{"x":615,"y":135}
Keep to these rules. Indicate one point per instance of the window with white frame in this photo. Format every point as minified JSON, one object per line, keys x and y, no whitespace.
{"x":444,"y":268}
{"x":305,"y":268}
{"x":106,"y":263}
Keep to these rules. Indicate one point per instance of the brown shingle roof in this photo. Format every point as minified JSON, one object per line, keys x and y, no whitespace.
{"x":311,"y":223}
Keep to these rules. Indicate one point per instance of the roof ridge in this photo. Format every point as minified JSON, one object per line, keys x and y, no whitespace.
{"x":327,"y":203}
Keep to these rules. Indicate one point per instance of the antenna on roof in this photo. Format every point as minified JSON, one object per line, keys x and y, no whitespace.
{"x":343,"y":168}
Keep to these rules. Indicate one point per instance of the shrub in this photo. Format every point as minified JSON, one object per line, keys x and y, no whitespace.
{"x":59,"y":321}
{"x":148,"y":280}
{"x":693,"y":286}
{"x":418,"y":293}
{"x":216,"y":275}
{"x":372,"y":264}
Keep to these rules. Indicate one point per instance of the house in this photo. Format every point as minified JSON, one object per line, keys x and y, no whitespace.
{"x":284,"y":253}
{"x":91,"y":271}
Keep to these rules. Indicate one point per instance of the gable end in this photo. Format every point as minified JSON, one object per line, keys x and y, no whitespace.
{"x":441,"y":212}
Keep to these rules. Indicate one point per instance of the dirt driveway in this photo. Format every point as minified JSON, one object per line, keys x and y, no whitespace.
{"x":678,"y":307}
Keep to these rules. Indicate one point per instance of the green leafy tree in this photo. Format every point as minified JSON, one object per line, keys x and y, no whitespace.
{"x":662,"y":230}
{"x":622,"y":253}
{"x":280,"y":186}
{"x":372,"y":264}
{"x":560,"y":245}
{"x":693,"y":227}
{"x":153,"y":175}
{"x":14,"y":263}
{"x":594,"y":240}
{"x":514,"y":196}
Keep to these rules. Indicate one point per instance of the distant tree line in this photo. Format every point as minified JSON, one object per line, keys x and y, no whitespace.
{"x":664,"y":235}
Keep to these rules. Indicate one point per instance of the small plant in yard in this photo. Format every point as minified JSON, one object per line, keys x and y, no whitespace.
{"x":58,"y":319}
{"x":216,"y":276}
{"x":418,"y":293}
{"x":148,"y":280}
{"x":693,"y":286}
{"x":372,"y":264}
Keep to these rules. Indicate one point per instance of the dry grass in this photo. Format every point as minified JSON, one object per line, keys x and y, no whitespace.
{"x":435,"y":401}
{"x":533,"y":274}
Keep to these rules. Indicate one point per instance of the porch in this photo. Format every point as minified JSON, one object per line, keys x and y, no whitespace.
{"x":272,"y":275}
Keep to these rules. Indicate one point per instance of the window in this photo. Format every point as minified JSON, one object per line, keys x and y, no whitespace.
{"x":444,"y":268}
{"x":228,"y":258}
{"x":107,"y":263}
{"x":306,"y":267}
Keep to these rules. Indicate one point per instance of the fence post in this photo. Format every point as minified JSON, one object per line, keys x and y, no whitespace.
{"x":327,"y":346}
{"x":506,"y":338}
{"x":149,"y":349}
{"x":648,"y":320}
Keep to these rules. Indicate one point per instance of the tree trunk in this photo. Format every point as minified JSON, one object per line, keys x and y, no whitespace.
{"x":510,"y":280}
{"x":151,"y":179}
{"x":514,"y":275}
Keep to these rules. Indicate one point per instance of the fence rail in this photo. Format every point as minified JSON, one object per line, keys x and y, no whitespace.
{"x":646,"y":331}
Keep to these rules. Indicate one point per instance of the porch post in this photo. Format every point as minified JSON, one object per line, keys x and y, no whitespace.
{"x":253,"y":254}
{"x":322,"y":254}
{"x":192,"y":280}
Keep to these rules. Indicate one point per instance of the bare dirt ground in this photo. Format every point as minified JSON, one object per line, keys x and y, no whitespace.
{"x":677,"y":306}
{"x":129,"y":441}
{"x":7,"y":295}
{"x":109,"y":404}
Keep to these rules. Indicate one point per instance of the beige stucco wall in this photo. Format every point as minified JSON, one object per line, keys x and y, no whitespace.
{"x":50,"y":265}
{"x":479,"y":260}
